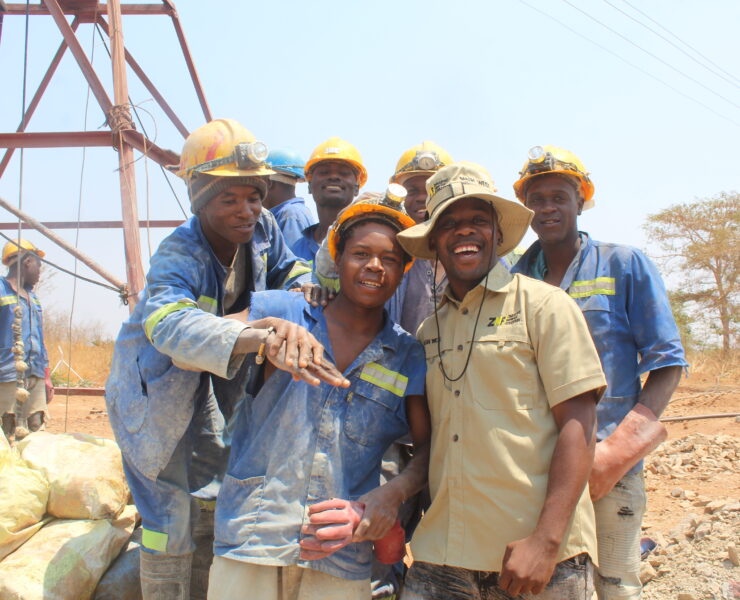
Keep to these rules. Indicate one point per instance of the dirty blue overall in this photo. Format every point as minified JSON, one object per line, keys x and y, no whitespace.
{"x":166,"y":356}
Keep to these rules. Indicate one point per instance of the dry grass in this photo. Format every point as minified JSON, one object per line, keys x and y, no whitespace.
{"x":89,"y":354}
{"x":712,"y":366}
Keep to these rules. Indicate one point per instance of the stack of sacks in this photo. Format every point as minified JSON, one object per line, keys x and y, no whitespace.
{"x":23,"y":496}
{"x":79,"y":480}
{"x":85,"y":474}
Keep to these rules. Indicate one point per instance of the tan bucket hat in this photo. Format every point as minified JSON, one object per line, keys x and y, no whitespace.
{"x":465,"y":180}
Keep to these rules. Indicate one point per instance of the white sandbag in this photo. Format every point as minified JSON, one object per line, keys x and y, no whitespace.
{"x":24,"y":493}
{"x":121,"y":580}
{"x":85,"y":474}
{"x":66,"y":559}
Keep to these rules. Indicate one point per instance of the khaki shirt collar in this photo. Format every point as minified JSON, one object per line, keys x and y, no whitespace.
{"x":499,"y":279}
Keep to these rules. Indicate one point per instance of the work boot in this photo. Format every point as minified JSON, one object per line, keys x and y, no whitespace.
{"x":9,"y":426}
{"x":165,"y":576}
{"x":36,"y":421}
{"x":203,"y":555}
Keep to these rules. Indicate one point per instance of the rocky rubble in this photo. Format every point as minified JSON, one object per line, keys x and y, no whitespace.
{"x":699,"y":558}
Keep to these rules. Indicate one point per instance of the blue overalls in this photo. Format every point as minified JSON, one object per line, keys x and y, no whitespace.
{"x":626,"y":307}
{"x":296,"y":444}
{"x":158,"y":407}
{"x":32,"y":332}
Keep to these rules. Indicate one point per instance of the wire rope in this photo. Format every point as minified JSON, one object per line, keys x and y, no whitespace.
{"x":655,"y":56}
{"x":631,"y":64}
{"x":672,"y":43}
{"x":685,"y":43}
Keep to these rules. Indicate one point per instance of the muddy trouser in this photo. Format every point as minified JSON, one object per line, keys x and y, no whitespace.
{"x":618,"y":529}
{"x":572,"y":580}
{"x":387,"y":580}
{"x":29,"y":414}
{"x":173,"y":522}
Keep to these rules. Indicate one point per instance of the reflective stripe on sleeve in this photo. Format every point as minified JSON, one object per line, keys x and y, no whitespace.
{"x":5,"y":300}
{"x":299,"y":268}
{"x":154,"y":540}
{"x":208,"y":304}
{"x":159,"y":314}
{"x":385,"y":378}
{"x":606,"y":286}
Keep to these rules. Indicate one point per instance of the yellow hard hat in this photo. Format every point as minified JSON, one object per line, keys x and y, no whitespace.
{"x":225,"y":148}
{"x":10,"y":250}
{"x":423,"y":159}
{"x":337,"y":149}
{"x":388,"y":206}
{"x":551,"y":159}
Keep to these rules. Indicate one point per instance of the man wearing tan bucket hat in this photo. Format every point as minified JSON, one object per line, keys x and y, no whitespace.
{"x":513,"y":379}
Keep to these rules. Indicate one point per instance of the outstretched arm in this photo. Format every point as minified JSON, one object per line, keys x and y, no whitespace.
{"x":289,"y":347}
{"x":529,"y":563}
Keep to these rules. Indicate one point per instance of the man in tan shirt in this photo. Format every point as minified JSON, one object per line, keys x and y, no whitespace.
{"x":513,"y":379}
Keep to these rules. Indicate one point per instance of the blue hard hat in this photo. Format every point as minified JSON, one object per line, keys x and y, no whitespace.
{"x":287,"y":162}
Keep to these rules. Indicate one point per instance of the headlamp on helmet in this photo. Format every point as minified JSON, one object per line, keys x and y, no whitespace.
{"x":246,"y":155}
{"x":541,"y":161}
{"x":424,"y":160}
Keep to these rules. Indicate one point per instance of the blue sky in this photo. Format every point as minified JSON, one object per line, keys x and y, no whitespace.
{"x":484,"y":79}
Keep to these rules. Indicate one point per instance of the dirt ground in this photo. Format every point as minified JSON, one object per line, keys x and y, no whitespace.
{"x":668,"y":509}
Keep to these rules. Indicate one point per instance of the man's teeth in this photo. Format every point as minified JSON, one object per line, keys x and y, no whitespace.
{"x":461,"y":249}
{"x":371,"y":283}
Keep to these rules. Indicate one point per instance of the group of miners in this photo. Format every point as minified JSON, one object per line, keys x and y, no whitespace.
{"x":296,"y":386}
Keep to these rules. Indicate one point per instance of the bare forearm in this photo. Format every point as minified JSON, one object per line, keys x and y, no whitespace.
{"x":569,"y":470}
{"x":249,"y":341}
{"x":414,"y":477}
{"x":659,"y":387}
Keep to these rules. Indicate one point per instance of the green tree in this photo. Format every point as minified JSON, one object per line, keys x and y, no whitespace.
{"x":699,"y":241}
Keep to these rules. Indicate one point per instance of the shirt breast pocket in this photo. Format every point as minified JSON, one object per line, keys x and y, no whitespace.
{"x":508,"y":371}
{"x":372,"y":415}
{"x":597,"y":310}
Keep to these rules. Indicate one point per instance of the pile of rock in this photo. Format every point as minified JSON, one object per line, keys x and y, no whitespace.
{"x":700,"y":558}
{"x":701,"y":455}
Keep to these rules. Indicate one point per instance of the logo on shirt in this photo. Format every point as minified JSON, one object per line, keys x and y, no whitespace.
{"x":505,"y":319}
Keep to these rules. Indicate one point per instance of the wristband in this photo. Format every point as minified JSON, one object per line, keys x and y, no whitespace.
{"x":260,"y":358}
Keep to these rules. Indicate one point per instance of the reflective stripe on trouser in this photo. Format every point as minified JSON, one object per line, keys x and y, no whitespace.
{"x":168,"y":511}
{"x":237,"y":580}
{"x":36,"y":402}
{"x":618,"y":526}
{"x":164,"y":577}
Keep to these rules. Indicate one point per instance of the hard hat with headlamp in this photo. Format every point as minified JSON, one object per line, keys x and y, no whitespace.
{"x":223,"y":148}
{"x":10,"y":250}
{"x":423,"y":159}
{"x":337,"y":149}
{"x":543,"y":160}
{"x":388,"y":207}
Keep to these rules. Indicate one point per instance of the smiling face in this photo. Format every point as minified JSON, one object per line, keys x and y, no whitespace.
{"x":556,"y":203}
{"x":465,"y":238}
{"x":370,"y":264}
{"x":333,"y":184}
{"x":230,"y":217}
{"x":416,"y":197}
